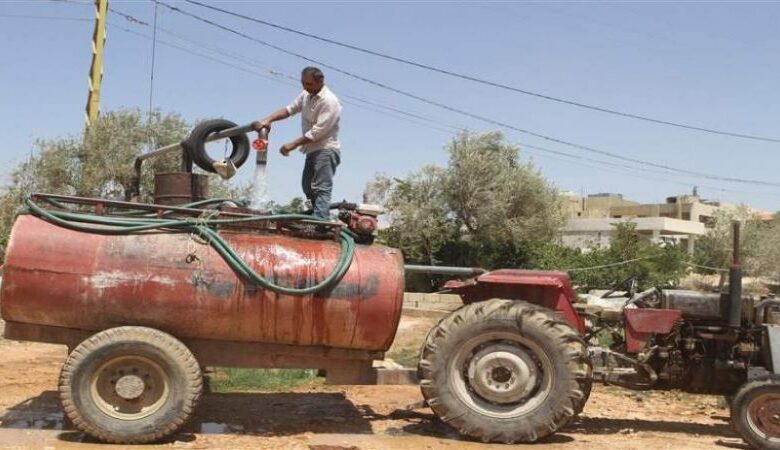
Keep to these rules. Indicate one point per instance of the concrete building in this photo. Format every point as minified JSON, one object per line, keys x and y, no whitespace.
{"x":594,"y":206}
{"x":679,"y":220}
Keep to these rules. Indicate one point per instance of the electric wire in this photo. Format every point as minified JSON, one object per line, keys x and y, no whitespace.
{"x":606,"y":266}
{"x":484,"y":81}
{"x":279,"y":76}
{"x":273,"y":75}
{"x":132,"y":19}
{"x":627,"y":171}
{"x":538,"y":150}
{"x":277,"y":80}
{"x":714,"y":269}
{"x":665,"y":168}
{"x":151,"y":77}
{"x":469,"y":114}
{"x":296,"y":81}
{"x":643,"y":258}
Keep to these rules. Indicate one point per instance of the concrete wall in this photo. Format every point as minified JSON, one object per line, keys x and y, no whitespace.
{"x":589,"y":233}
{"x":598,"y":206}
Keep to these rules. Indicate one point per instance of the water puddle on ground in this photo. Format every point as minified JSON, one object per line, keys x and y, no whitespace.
{"x":52,"y":421}
{"x":213,"y":428}
{"x":220,"y":428}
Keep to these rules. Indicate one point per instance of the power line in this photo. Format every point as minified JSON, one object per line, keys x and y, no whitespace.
{"x":469,"y":114}
{"x":484,"y":81}
{"x":274,"y":79}
{"x":401,"y":114}
{"x":279,"y":77}
{"x":625,"y":170}
{"x":585,"y":161}
{"x":296,"y":80}
{"x":606,"y":266}
{"x":151,"y":72}
{"x":277,"y":74}
{"x":405,"y":115}
{"x":132,"y":18}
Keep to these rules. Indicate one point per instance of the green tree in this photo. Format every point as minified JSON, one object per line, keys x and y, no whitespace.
{"x":715,"y":248}
{"x":651,"y":264}
{"x":763,"y":244}
{"x":485,"y":208}
{"x":99,"y":162}
{"x":295,"y":206}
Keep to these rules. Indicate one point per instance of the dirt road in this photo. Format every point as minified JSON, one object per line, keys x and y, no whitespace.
{"x":317,"y":417}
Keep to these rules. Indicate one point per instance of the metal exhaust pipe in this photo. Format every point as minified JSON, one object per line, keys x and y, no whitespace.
{"x":735,"y":282}
{"x":445,"y":270}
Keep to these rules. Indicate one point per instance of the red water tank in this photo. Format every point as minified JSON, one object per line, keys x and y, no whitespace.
{"x":58,"y":277}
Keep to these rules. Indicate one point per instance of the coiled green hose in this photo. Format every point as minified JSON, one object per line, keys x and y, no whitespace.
{"x":206,"y":228}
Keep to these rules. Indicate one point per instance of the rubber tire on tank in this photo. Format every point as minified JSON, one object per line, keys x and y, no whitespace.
{"x":560,"y":342}
{"x":739,"y":410}
{"x":178,"y":363}
{"x":195,"y":144}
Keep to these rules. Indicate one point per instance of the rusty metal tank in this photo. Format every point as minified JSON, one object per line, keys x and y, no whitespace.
{"x":57,"y":277}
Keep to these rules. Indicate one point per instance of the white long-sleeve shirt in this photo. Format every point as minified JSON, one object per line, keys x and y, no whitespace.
{"x":320,"y":115}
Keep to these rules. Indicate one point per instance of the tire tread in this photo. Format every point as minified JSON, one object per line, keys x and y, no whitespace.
{"x":572,"y":348}
{"x":170,"y":345}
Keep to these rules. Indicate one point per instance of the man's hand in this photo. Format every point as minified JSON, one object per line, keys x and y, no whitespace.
{"x":287,"y":148}
{"x":260,"y":124}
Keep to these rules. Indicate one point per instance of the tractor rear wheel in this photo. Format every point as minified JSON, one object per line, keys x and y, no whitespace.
{"x":755,"y":413}
{"x":130,"y":385}
{"x":504,"y":371}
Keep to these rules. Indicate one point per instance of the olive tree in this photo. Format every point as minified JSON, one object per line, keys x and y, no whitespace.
{"x":486,"y":207}
{"x":98,"y":162}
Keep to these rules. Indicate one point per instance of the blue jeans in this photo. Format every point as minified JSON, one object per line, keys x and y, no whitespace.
{"x":317,"y":180}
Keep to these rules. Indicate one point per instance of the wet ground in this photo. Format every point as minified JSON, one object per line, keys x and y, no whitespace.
{"x":317,"y":417}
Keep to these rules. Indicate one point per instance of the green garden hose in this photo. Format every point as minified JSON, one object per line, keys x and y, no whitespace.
{"x":206,"y":228}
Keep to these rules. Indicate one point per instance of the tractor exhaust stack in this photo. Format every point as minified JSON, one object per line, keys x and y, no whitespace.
{"x":735,"y":283}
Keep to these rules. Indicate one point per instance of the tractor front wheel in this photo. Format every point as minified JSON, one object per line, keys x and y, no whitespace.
{"x":504,"y":371}
{"x":755,"y":413}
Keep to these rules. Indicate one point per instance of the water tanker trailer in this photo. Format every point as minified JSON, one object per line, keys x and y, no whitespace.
{"x":146,"y":294}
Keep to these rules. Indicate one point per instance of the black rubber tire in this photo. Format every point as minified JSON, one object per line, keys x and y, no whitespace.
{"x":564,"y":349}
{"x":586,"y":386}
{"x":195,"y":144}
{"x":83,"y":366}
{"x":739,"y":412}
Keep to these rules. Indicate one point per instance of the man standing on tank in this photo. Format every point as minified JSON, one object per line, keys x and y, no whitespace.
{"x":320,"y":113}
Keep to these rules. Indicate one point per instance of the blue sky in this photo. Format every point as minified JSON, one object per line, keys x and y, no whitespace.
{"x":709,"y":64}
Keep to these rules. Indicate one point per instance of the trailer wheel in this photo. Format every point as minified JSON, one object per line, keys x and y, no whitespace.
{"x":130,"y":385}
{"x":504,"y":371}
{"x":755,"y":413}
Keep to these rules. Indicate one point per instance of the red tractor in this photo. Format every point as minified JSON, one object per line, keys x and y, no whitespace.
{"x":517,"y":361}
{"x":145,"y":295}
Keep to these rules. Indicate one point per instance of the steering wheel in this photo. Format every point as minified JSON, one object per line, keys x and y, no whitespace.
{"x":643,"y":299}
{"x":629,"y":284}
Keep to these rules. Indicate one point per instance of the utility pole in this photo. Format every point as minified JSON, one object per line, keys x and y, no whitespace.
{"x":96,"y":69}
